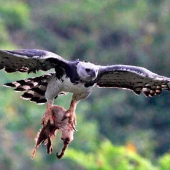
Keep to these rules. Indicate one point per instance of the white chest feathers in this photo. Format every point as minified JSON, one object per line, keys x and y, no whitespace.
{"x":55,"y":86}
{"x":68,"y":86}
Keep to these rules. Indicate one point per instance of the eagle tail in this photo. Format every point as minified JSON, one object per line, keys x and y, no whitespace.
{"x":34,"y":88}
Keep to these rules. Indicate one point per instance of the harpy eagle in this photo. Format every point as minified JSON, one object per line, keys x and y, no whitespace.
{"x":77,"y":77}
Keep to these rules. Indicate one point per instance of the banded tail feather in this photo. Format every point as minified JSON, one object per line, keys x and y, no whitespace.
{"x":34,"y":88}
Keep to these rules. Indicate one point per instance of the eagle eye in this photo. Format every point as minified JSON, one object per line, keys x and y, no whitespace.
{"x":87,"y":70}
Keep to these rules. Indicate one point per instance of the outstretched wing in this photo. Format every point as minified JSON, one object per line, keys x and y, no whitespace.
{"x":133,"y":78}
{"x":29,"y":60}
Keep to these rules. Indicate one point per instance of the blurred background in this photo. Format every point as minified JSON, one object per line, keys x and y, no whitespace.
{"x":116,"y":129}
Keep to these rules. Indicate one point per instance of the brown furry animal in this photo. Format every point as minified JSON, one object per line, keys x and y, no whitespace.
{"x":48,"y":132}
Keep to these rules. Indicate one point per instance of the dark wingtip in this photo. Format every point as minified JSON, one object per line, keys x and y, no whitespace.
{"x":9,"y":85}
{"x":27,"y":96}
{"x":38,"y":100}
{"x":19,"y":89}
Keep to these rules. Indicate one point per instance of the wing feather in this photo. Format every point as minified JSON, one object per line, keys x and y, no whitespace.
{"x":29,"y":60}
{"x":137,"y":79}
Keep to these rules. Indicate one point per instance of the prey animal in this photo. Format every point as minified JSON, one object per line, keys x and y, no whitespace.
{"x":77,"y":77}
{"x":48,"y":132}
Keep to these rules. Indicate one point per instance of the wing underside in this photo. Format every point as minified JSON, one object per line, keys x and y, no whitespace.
{"x":133,"y":78}
{"x":29,"y":60}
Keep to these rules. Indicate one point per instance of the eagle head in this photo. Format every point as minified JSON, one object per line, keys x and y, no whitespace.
{"x":87,"y":71}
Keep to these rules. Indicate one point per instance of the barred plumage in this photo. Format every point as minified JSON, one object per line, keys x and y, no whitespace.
{"x":34,"y":88}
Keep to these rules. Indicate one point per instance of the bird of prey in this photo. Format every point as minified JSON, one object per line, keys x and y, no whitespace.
{"x":77,"y":77}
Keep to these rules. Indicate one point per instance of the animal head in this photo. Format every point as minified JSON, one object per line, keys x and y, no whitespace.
{"x":87,"y":71}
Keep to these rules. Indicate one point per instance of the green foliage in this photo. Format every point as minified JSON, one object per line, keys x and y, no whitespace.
{"x":165,"y":162}
{"x":109,"y":157}
{"x":15,"y":14}
{"x":4,"y":37}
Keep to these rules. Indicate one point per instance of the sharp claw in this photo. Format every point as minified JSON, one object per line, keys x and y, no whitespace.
{"x":47,"y":119}
{"x":73,"y":125}
{"x":72,"y":120}
{"x":74,"y":128}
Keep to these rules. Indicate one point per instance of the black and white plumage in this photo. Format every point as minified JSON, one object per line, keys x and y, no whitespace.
{"x":77,"y":77}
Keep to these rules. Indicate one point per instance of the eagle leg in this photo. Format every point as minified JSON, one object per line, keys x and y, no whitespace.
{"x":48,"y":115}
{"x":70,"y":113}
